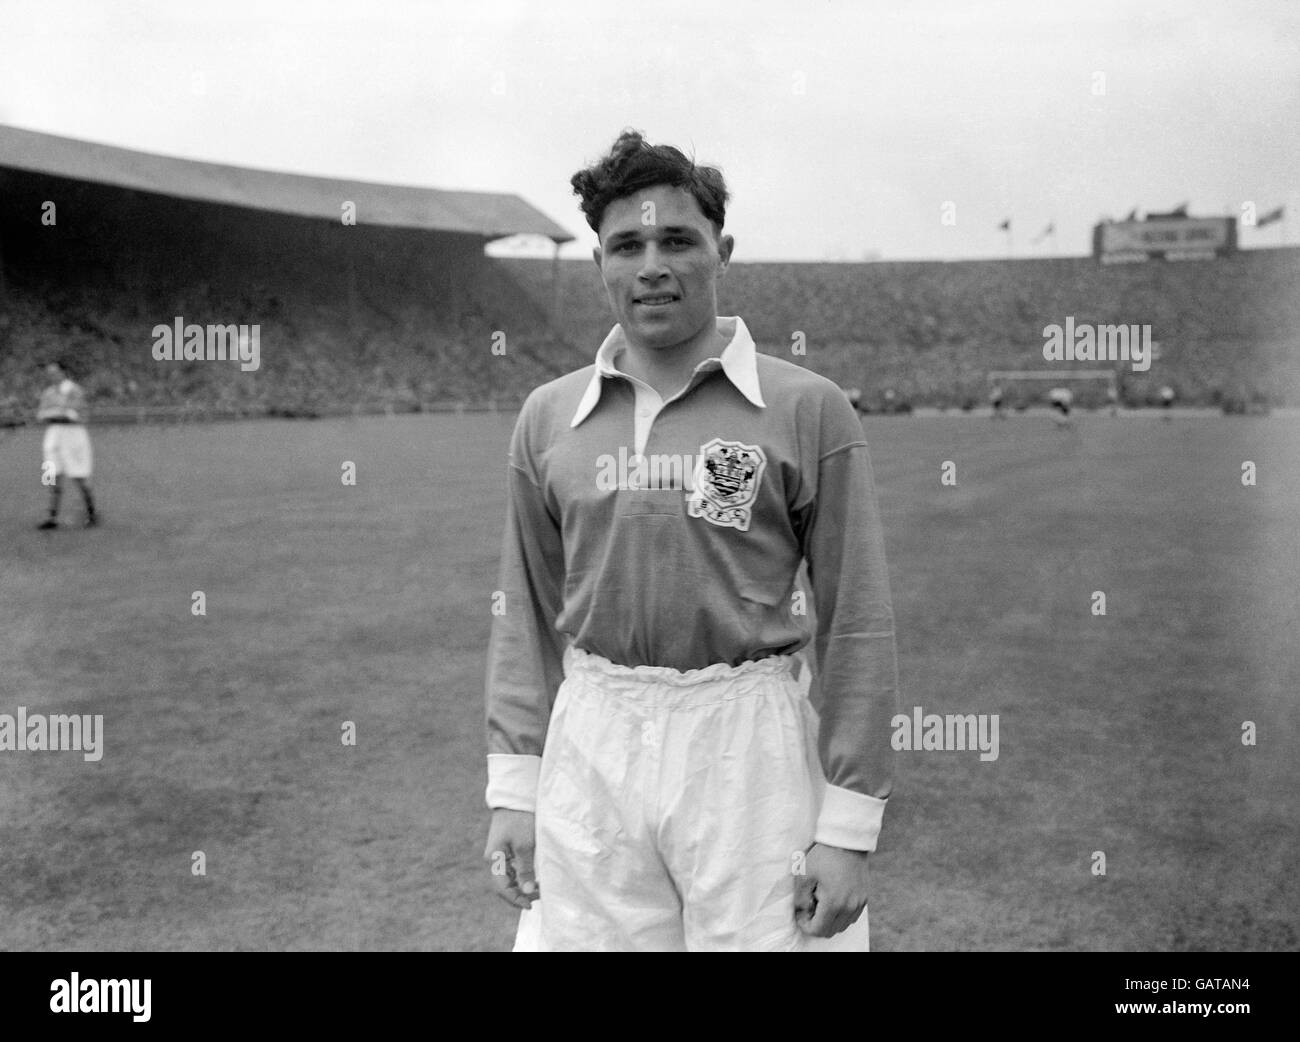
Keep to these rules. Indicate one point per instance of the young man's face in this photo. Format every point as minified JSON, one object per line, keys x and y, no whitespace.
{"x":661,"y":259}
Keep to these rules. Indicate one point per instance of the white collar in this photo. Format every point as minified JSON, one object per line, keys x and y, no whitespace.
{"x":738,"y":360}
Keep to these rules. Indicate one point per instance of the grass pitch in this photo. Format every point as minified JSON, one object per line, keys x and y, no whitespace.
{"x":327,"y":603}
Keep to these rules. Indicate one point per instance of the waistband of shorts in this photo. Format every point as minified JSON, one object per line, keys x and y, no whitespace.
{"x":586,"y":661}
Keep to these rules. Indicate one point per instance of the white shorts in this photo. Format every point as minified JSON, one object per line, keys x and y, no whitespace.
{"x":67,"y":446}
{"x":674,"y":809}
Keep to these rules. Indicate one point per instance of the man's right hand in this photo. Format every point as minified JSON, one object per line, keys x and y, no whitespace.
{"x":509,"y":854}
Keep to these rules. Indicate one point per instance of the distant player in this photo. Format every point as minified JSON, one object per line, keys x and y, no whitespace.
{"x":1167,"y":401}
{"x":66,"y":447}
{"x":995,"y":399}
{"x":1062,"y":398}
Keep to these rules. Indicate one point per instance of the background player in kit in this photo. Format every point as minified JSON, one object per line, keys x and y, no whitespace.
{"x":1167,"y":401}
{"x":657,"y":777}
{"x":66,"y":446}
{"x":995,"y":399}
{"x":1061,"y":399}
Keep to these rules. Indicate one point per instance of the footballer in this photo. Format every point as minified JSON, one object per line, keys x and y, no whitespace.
{"x":1061,"y":398}
{"x":657,"y":777}
{"x":66,"y":446}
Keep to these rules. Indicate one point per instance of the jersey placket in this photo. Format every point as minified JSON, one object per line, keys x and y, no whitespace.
{"x":648,"y":405}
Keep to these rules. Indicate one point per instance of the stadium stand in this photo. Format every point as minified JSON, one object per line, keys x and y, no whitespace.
{"x":396,"y":312}
{"x":1228,"y":329}
{"x":400,"y":311}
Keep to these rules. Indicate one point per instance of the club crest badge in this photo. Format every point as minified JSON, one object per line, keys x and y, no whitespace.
{"x":726,"y":479}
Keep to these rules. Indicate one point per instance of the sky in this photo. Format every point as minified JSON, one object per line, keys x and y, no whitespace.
{"x":846,"y":130}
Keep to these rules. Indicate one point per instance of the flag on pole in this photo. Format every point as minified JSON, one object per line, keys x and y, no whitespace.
{"x":1269,"y":218}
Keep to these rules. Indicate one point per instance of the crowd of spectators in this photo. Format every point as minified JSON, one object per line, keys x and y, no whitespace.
{"x":904,"y":334}
{"x":313,"y":360}
{"x":1228,"y":330}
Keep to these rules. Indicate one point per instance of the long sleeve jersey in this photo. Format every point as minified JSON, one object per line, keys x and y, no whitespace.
{"x":671,"y":534}
{"x":64,"y":402}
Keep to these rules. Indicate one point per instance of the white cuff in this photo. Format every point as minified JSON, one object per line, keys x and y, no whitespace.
{"x":849,"y":819}
{"x":512,"y":781}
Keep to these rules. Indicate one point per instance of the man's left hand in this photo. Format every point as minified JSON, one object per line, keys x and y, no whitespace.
{"x":832,"y":892}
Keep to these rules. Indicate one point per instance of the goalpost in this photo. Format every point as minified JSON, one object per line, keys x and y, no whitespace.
{"x":1004,"y":376}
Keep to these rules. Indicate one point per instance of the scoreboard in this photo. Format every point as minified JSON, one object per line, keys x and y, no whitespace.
{"x":1179,"y":238}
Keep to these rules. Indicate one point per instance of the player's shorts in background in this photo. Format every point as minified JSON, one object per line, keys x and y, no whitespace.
{"x":67,"y":446}
{"x":674,"y":809}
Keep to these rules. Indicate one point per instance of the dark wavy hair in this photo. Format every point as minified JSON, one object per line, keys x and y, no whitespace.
{"x":633,"y":164}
